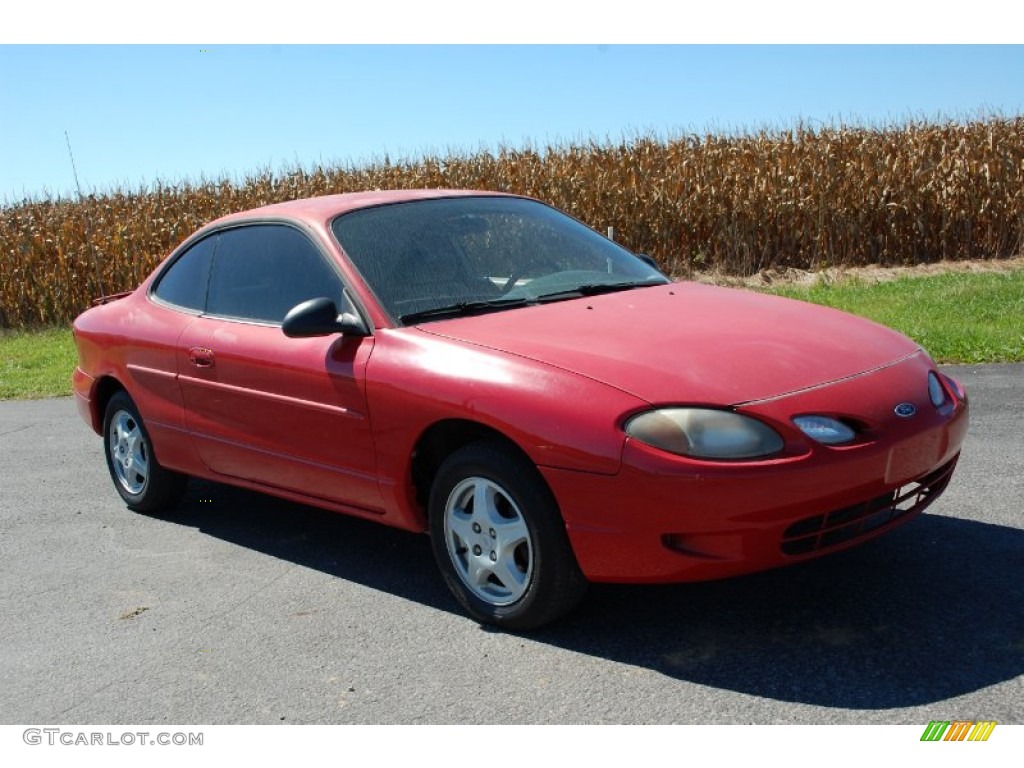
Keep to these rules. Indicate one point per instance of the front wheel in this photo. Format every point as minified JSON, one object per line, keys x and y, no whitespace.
{"x":499,"y":539}
{"x":144,"y":485}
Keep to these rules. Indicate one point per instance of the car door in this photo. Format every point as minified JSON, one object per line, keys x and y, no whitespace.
{"x":262,"y":407}
{"x":177,"y":298}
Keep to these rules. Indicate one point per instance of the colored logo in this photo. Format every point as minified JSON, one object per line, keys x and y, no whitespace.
{"x":958,"y":730}
{"x":905,"y":410}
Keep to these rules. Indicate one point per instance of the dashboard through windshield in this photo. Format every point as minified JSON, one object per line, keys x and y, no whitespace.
{"x":432,"y":259}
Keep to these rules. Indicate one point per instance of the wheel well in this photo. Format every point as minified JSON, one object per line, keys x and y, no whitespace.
{"x":106,"y":388}
{"x":440,"y":441}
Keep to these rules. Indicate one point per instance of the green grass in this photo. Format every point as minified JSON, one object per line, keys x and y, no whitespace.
{"x":956,"y":317}
{"x":36,"y":363}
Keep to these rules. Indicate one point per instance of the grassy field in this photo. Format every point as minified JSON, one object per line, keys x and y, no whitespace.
{"x":957,"y":317}
{"x":36,"y":363}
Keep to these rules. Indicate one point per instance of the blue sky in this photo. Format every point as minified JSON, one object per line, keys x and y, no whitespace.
{"x":138,"y":113}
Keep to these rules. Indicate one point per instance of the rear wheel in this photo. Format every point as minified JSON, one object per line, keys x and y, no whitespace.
{"x":499,"y":539}
{"x":144,"y":485}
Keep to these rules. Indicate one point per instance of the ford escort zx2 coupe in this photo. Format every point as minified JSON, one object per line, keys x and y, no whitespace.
{"x":549,"y":407}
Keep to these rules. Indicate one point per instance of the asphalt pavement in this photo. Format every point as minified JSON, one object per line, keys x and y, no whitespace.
{"x":239,"y":608}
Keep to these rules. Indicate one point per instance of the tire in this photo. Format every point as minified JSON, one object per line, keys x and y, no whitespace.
{"x":499,"y":539}
{"x":144,"y":485}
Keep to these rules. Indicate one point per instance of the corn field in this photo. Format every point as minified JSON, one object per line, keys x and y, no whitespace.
{"x":737,"y":204}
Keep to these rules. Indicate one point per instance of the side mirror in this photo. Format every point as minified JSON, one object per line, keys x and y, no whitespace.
{"x":650,"y":262}
{"x":319,"y":317}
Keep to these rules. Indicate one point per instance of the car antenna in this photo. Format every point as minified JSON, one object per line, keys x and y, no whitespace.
{"x":88,"y":223}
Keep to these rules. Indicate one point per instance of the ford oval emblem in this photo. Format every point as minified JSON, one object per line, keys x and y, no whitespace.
{"x":905,"y":410}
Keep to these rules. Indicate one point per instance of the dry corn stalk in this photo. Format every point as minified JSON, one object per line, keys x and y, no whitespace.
{"x":804,"y":198}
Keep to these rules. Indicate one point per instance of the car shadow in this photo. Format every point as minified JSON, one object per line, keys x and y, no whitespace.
{"x":931,"y":611}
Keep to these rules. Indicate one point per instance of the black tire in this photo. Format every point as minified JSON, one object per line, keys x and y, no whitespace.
{"x":144,"y":485}
{"x":508,"y":563}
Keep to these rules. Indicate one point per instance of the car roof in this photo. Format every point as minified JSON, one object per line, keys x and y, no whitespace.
{"x":322,"y":209}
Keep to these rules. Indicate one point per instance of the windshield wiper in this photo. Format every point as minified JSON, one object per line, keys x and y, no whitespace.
{"x":463,"y":308}
{"x":593,"y":289}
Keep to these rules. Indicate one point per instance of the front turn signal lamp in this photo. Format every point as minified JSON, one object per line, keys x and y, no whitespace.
{"x":705,"y":433}
{"x":825,"y":429}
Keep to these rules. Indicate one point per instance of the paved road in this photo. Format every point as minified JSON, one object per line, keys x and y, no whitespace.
{"x":243,"y":609}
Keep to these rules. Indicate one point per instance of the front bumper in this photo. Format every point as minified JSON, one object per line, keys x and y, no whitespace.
{"x":664,"y":518}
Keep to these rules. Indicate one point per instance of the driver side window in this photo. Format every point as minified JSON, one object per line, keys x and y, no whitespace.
{"x":261,"y":271}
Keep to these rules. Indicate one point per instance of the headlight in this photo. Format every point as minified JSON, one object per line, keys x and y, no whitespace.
{"x":824,"y":429}
{"x":705,"y":433}
{"x":936,"y":392}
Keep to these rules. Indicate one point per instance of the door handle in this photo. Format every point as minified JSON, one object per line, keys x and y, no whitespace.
{"x":201,"y":357}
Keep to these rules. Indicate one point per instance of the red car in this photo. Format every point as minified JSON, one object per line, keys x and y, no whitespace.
{"x":548,"y":406}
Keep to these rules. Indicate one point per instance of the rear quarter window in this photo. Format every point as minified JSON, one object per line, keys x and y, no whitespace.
{"x":184,"y":284}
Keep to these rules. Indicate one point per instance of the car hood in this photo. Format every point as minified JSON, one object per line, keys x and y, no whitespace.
{"x":689,"y":343}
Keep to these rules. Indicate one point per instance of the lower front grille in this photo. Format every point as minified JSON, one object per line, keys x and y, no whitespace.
{"x":842,"y":526}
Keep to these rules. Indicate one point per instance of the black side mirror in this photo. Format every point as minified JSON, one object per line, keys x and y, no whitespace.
{"x":649,"y":261}
{"x":319,"y":317}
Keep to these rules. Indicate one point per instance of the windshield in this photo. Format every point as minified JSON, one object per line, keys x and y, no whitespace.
{"x":473,"y":254}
